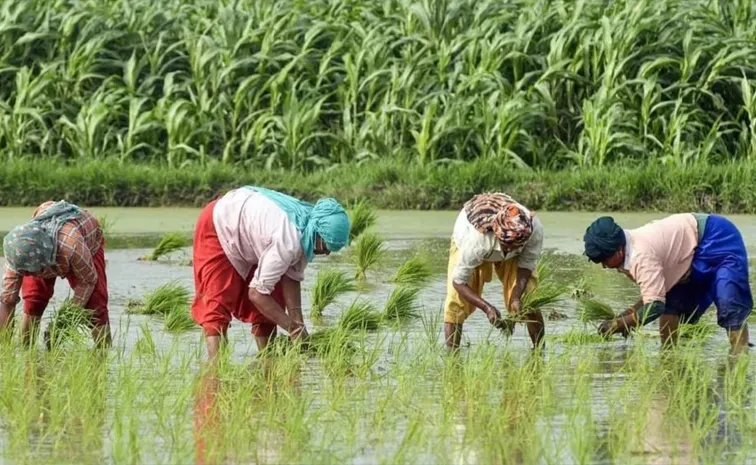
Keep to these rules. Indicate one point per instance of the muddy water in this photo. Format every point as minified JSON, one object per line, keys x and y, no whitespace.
{"x":130,"y":278}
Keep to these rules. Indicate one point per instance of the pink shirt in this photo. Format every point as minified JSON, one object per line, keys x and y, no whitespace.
{"x":658,"y":254}
{"x":253,"y":230}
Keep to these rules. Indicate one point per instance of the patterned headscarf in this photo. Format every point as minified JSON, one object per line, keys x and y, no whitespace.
{"x":32,"y":246}
{"x":500,"y":214}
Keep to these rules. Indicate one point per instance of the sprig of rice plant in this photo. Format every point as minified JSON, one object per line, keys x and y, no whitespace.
{"x":367,"y":250}
{"x":360,"y":315}
{"x":106,"y":224}
{"x":401,"y":304}
{"x":329,"y":284}
{"x":179,"y":319}
{"x":69,"y":321}
{"x":361,"y":218}
{"x":545,"y":293}
{"x":591,"y":310}
{"x":415,"y":271}
{"x":162,"y":300}
{"x":170,"y":242}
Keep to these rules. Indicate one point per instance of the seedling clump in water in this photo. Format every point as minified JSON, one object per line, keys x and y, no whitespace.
{"x":361,"y":217}
{"x":328,"y":286}
{"x":367,"y":250}
{"x":415,"y":271}
{"x":162,"y":300}
{"x":169,"y":243}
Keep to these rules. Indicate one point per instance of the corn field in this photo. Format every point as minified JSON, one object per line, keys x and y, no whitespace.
{"x":301,"y":85}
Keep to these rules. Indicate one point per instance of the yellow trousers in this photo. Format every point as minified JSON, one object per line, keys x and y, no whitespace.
{"x":457,"y":309}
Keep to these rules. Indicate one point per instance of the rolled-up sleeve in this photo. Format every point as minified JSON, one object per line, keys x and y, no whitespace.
{"x":531,"y":252}
{"x":11,"y":287}
{"x":470,"y":256}
{"x":279,"y":258}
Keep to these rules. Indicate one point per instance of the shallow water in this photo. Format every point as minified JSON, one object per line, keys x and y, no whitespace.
{"x":348,"y":432}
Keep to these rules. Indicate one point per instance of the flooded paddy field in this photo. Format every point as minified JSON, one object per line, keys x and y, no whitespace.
{"x":395,"y":397}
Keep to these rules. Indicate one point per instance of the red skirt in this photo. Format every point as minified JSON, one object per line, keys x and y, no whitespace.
{"x":220,"y":292}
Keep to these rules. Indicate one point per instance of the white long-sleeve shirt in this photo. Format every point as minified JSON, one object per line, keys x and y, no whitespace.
{"x":253,"y":230}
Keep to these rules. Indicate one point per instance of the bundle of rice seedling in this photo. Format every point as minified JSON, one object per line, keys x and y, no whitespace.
{"x":360,"y":315}
{"x":414,"y":271}
{"x":591,"y":310}
{"x":361,"y":218}
{"x":544,"y":294}
{"x":368,"y":249}
{"x":168,"y":243}
{"x":401,"y":304}
{"x":70,"y":320}
{"x":320,"y":342}
{"x":179,"y":319}
{"x":329,"y":284}
{"x":162,"y":300}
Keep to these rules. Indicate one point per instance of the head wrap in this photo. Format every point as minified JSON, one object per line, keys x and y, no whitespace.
{"x":32,"y":246}
{"x":510,"y":223}
{"x":603,"y":238}
{"x":327,"y":218}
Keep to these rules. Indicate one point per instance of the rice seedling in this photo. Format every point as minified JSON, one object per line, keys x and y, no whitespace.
{"x":178,"y":319}
{"x":162,"y":300}
{"x":361,"y":217}
{"x":170,"y":242}
{"x":329,"y":284}
{"x":368,"y":249}
{"x":545,"y":293}
{"x":106,"y":225}
{"x":361,"y":315}
{"x":70,"y":320}
{"x":415,"y":271}
{"x":591,"y":311}
{"x":401,"y":304}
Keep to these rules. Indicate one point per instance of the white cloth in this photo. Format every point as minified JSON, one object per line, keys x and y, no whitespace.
{"x":476,"y":247}
{"x":253,"y":230}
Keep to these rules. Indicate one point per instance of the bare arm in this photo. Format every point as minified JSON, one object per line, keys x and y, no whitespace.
{"x":471,"y":296}
{"x":292,"y":292}
{"x":523,"y":275}
{"x":272,"y":311}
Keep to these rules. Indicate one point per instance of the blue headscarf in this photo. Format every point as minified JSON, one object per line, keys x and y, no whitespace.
{"x":32,"y":246}
{"x":327,"y":218}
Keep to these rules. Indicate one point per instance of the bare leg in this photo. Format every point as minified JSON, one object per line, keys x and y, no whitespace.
{"x":668,"y":329}
{"x":29,"y":329}
{"x":213,"y":347}
{"x":263,"y":341}
{"x":738,"y":340}
{"x":7,"y":313}
{"x":453,"y":334}
{"x":536,"y":328}
{"x":101,"y":336}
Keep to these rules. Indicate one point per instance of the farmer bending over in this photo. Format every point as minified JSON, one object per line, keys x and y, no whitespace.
{"x":62,"y":240}
{"x":251,"y":247}
{"x":492,"y":233}
{"x":682,"y":264}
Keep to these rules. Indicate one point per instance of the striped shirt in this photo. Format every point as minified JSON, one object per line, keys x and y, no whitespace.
{"x":78,"y":241}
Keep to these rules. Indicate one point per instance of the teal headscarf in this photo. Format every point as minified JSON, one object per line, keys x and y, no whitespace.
{"x":33,"y":245}
{"x":327,"y":218}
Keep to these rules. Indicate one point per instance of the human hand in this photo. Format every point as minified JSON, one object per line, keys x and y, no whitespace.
{"x":494,"y":317}
{"x":298,"y":332}
{"x":606,"y":328}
